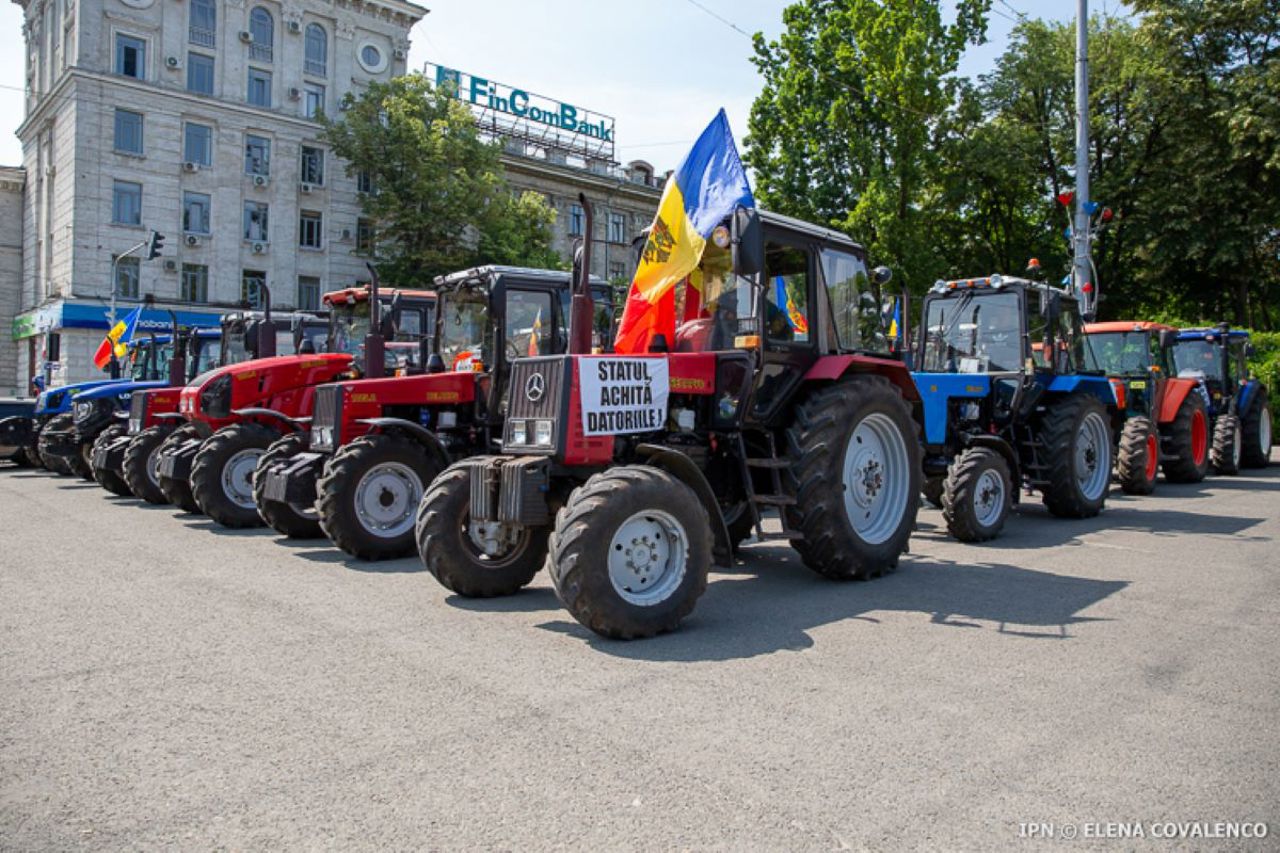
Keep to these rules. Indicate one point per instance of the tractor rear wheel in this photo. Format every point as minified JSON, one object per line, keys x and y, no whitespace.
{"x":107,"y":478}
{"x":1257,"y":433}
{"x":291,"y":520}
{"x":630,"y":552}
{"x":1077,"y":441}
{"x":1138,"y":457}
{"x":178,"y":492}
{"x":977,"y":495}
{"x":142,"y":462}
{"x":57,"y":424}
{"x":369,"y":493}
{"x":453,"y":552}
{"x":932,"y":490}
{"x":82,"y":460}
{"x":855,"y":469}
{"x":1228,"y":445}
{"x":1187,"y":440}
{"x":222,"y":473}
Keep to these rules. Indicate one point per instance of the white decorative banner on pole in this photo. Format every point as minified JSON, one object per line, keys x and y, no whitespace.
{"x":623,"y":395}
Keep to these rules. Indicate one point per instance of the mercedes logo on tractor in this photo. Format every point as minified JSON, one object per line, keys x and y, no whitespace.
{"x":535,"y":387}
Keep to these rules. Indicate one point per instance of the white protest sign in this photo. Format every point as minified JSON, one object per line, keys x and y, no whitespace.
{"x":623,"y":395}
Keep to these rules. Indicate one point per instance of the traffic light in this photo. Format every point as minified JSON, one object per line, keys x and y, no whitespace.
{"x":154,"y":245}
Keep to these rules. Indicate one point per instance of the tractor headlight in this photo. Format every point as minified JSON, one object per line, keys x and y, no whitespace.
{"x":322,"y":437}
{"x":519,"y":432}
{"x":83,"y":411}
{"x":542,"y":433}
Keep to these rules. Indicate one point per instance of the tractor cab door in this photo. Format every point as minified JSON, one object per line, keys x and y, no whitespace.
{"x":789,"y":347}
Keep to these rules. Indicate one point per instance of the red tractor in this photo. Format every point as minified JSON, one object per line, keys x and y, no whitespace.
{"x":1166,"y":419}
{"x":376,"y":444}
{"x":628,"y":476}
{"x":235,"y":413}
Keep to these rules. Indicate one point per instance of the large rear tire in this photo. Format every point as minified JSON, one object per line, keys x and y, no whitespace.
{"x":1077,"y":438}
{"x":57,"y":424}
{"x":630,"y":552}
{"x":856,"y":473}
{"x":1186,"y":438}
{"x":977,"y":495}
{"x":295,"y":522}
{"x":82,"y":460}
{"x":1256,"y":452}
{"x":1138,"y":457}
{"x":141,"y":460}
{"x":222,"y":474}
{"x":178,"y":492}
{"x":1228,"y":445}
{"x":107,"y":478}
{"x":451,"y":553}
{"x":369,"y":493}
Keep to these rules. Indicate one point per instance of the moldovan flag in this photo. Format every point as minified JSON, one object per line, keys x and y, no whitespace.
{"x":535,"y":334}
{"x":707,"y":187}
{"x":117,"y":338}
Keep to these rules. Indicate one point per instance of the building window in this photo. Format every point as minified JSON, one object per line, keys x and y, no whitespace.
{"x":364,"y":182}
{"x":371,"y":58}
{"x":262,"y":29}
{"x":126,"y":203}
{"x":199,"y":73}
{"x":195,"y":213}
{"x":128,"y":271}
{"x":195,"y":283}
{"x":617,"y":228}
{"x":259,"y":93}
{"x":313,"y":103}
{"x":364,"y":235}
{"x":310,"y":230}
{"x":203,"y":24}
{"x":308,"y":293}
{"x":128,"y":132}
{"x":257,"y":155}
{"x":576,"y":220}
{"x":317,"y":48}
{"x":131,"y":56}
{"x":255,"y":221}
{"x":197,"y":143}
{"x":311,"y":168}
{"x":252,"y":285}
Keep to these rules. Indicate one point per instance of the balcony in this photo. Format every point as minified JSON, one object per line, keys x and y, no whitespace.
{"x":259,"y":52}
{"x":315,"y":68}
{"x":202,"y":37}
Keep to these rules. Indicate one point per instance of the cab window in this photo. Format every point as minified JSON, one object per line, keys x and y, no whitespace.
{"x":786,"y":291}
{"x":845,"y":276}
{"x":528,"y":323}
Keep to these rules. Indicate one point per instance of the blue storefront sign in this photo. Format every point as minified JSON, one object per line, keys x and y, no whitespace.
{"x":81,"y":315}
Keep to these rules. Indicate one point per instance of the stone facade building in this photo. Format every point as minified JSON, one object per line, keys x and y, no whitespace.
{"x":192,"y":118}
{"x":11,"y":184}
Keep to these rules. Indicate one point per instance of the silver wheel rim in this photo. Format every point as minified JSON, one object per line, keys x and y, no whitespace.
{"x":1093,"y":456}
{"x":512,"y":552}
{"x":386,"y":499}
{"x":988,"y":498}
{"x":1237,"y":445}
{"x":648,"y":557}
{"x":153,"y":466}
{"x":875,"y":478}
{"x":237,"y":477}
{"x":1264,"y":433}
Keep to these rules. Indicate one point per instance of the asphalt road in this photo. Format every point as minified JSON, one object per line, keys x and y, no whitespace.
{"x":167,"y":684}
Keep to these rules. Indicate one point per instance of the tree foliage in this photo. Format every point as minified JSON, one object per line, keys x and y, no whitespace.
{"x":440,"y":202}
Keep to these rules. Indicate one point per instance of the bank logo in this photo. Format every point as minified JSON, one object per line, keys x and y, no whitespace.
{"x":535,"y":388}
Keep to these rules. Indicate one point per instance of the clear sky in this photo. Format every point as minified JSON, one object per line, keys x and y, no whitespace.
{"x":661,"y":68}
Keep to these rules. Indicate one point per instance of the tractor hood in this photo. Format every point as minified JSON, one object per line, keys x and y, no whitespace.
{"x":58,"y":399}
{"x":123,"y":390}
{"x":215,"y":393}
{"x":429,"y":388}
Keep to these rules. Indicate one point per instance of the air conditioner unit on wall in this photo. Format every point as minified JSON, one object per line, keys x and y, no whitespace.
{"x":400,"y":53}
{"x":261,"y":180}
{"x":170,"y":265}
{"x":190,"y":166}
{"x":246,"y":36}
{"x":295,"y":26}
{"x":295,"y":94}
{"x":172,"y":62}
{"x":192,"y":240}
{"x":346,"y":233}
{"x":305,"y":188}
{"x":259,"y":248}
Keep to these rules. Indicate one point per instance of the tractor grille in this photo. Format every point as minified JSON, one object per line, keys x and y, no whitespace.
{"x":325,"y":417}
{"x":137,"y":412}
{"x":553,"y":373}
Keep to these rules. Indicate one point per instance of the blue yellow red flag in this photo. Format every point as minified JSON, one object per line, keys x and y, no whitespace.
{"x":709,"y":185}
{"x":535,"y":334}
{"x":896,"y":322}
{"x":787,"y":303}
{"x":117,"y":339}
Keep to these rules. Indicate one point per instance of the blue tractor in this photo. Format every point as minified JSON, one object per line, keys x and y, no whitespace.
{"x":1007,"y":404}
{"x":1238,"y":404}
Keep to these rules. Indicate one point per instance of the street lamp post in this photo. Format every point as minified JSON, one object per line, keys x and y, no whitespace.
{"x":152,"y":244}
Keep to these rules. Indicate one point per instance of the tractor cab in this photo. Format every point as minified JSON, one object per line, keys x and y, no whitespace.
{"x":404,"y":317}
{"x":1217,"y":357}
{"x":1136,"y":357}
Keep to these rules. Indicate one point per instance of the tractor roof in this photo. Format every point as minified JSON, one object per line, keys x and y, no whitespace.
{"x":823,"y":233}
{"x":454,"y":279}
{"x":361,"y":294}
{"x":995,"y":283}
{"x":1210,"y":334}
{"x":1126,"y":326}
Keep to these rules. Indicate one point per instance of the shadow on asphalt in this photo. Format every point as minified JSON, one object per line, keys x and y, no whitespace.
{"x":321,"y":551}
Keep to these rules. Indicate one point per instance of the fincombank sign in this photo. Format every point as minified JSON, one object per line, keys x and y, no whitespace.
{"x":518,"y":113}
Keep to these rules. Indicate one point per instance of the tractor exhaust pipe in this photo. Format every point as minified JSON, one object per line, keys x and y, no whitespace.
{"x":266,"y":328}
{"x":582,"y":313}
{"x":178,"y":362}
{"x":375,"y":346}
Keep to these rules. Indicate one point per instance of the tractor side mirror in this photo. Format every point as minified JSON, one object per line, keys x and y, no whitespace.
{"x":881,"y":276}
{"x":1168,"y":339}
{"x":747,"y":241}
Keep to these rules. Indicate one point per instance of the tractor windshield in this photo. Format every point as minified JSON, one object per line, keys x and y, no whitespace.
{"x":463,"y":329}
{"x":973,"y":333}
{"x":205,"y":355}
{"x":1194,"y":359}
{"x":150,"y":360}
{"x":717,"y":305}
{"x":1118,"y":353}
{"x":348,"y":326}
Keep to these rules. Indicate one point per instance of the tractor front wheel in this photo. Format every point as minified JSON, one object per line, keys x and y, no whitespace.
{"x":292,"y":520}
{"x":1077,"y":441}
{"x":457,"y":553}
{"x":1228,"y":445}
{"x":142,"y":463}
{"x":369,"y":493}
{"x":222,"y":473}
{"x":856,"y":468}
{"x":1257,"y":433}
{"x":1187,"y":440}
{"x":977,"y":495}
{"x":108,"y":479}
{"x":52,"y":461}
{"x":1138,"y":458}
{"x":178,"y":492}
{"x":630,"y":552}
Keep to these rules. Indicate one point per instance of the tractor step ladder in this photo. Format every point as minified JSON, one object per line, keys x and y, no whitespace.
{"x":757,"y":503}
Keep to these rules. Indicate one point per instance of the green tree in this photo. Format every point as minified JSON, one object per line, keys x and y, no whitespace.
{"x":440,"y":201}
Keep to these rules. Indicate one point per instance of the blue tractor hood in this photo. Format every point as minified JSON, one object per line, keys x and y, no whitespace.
{"x":53,"y":401}
{"x":123,"y":390}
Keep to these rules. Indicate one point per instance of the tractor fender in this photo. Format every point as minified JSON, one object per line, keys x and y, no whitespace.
{"x":832,"y":367}
{"x":293,"y":424}
{"x":416,"y":431}
{"x":999,"y":445}
{"x":1175,"y":391}
{"x":1084,"y":383}
{"x":1247,"y":394}
{"x":683,"y":469}
{"x":168,"y":416}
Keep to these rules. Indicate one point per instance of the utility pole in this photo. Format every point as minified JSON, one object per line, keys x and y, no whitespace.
{"x":1082,"y":274}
